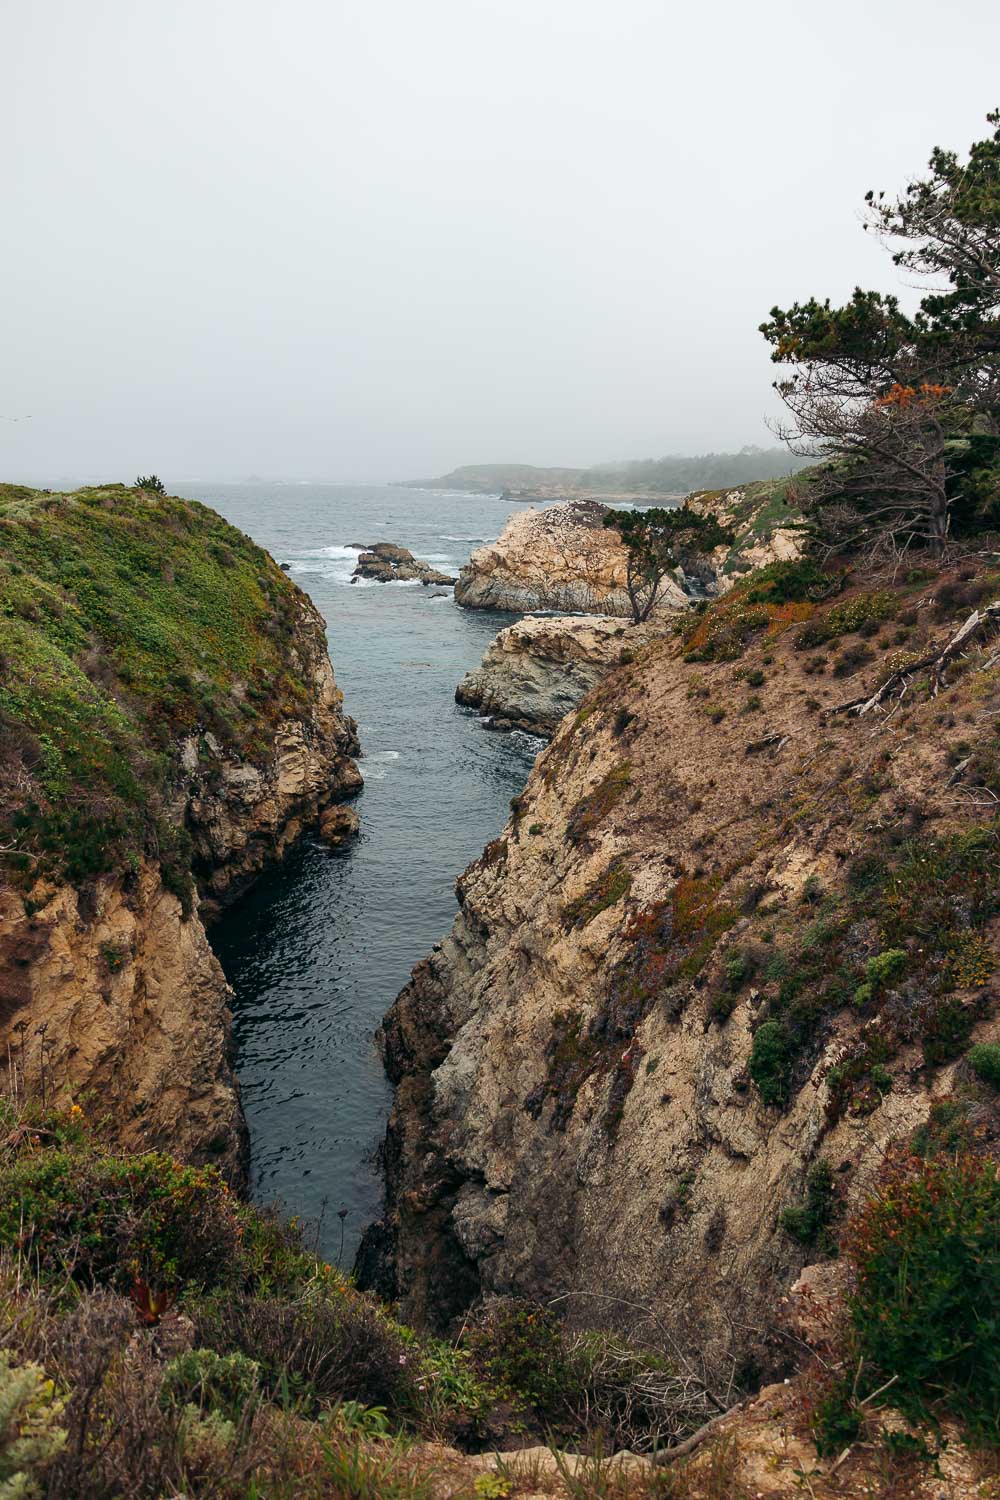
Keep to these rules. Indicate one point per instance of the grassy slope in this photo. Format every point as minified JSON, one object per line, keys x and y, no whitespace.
{"x":127,"y":620}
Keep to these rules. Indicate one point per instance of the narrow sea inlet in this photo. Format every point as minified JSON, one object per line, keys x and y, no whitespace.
{"x":318,"y":950}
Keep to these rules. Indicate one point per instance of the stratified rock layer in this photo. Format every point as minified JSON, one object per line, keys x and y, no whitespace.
{"x":538,"y":670}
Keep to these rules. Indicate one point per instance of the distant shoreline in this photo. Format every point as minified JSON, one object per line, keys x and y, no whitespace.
{"x":639,"y":481}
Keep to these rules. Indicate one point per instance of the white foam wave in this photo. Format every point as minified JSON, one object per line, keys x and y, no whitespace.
{"x":339,"y":570}
{"x":391,"y":583}
{"x":447,"y":537}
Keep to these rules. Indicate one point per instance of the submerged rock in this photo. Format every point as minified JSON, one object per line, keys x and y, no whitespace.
{"x":338,"y":824}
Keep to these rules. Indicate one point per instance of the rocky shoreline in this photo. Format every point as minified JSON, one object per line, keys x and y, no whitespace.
{"x":562,"y":558}
{"x":538,"y":670}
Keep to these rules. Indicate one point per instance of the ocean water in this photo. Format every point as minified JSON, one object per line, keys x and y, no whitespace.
{"x":318,"y":950}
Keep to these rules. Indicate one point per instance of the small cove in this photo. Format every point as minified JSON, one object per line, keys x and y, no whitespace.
{"x":317,"y":951}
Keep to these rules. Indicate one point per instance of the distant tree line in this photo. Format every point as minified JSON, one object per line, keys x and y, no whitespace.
{"x":678,"y":474}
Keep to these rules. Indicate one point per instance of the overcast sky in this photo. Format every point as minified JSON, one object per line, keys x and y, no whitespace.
{"x":378,"y":238}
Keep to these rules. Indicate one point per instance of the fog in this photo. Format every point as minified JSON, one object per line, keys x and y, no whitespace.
{"x":381,"y":238}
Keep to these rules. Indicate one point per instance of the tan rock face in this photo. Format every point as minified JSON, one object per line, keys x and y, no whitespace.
{"x":764,"y":522}
{"x":564,"y":558}
{"x":243,"y":816}
{"x":112,"y":999}
{"x":109,"y":995}
{"x":537,"y":671}
{"x":561,"y":558}
{"x":574,"y":1113}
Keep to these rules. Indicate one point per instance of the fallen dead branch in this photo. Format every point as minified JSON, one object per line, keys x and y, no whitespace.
{"x":667,"y":1455}
{"x":977,"y":621}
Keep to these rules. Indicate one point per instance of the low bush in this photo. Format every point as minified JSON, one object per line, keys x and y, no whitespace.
{"x":771,"y":1062}
{"x":985,"y":1062}
{"x":925,"y":1253}
{"x":880,"y":971}
{"x":845,"y":618}
{"x":518,"y":1347}
{"x":809,"y":1221}
{"x":222,"y":1383}
{"x":323,"y":1347}
{"x":115,"y":1221}
{"x":31,"y":1434}
{"x":789,"y":583}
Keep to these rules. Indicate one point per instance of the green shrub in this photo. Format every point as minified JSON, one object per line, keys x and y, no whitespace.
{"x":985,"y":1061}
{"x":223,"y":1383}
{"x":926,"y":1301}
{"x":809,"y":1221}
{"x":771,"y":1063}
{"x":845,"y":618}
{"x":30,"y":1432}
{"x":880,"y":971}
{"x":740,"y":968}
{"x":323,"y":1346}
{"x":788,"y":583}
{"x":109,"y":1220}
{"x":836,"y":1419}
{"x":518,"y":1346}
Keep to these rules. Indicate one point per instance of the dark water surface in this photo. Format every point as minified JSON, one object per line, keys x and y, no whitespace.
{"x":317,"y":952}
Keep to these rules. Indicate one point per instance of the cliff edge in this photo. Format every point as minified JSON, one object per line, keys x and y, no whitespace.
{"x":169,"y":724}
{"x":741,"y":925}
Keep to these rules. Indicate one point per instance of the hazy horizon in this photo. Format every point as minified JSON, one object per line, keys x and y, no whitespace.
{"x":343,"y":242}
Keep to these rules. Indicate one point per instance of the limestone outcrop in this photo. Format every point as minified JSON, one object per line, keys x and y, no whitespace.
{"x":565,"y":560}
{"x":697,"y":962}
{"x":538,"y":670}
{"x":384,"y":562}
{"x":562,"y":558}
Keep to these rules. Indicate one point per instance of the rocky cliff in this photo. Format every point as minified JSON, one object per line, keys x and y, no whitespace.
{"x":537,"y":671}
{"x":735,"y":929}
{"x":564,"y":559}
{"x":169,"y":724}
